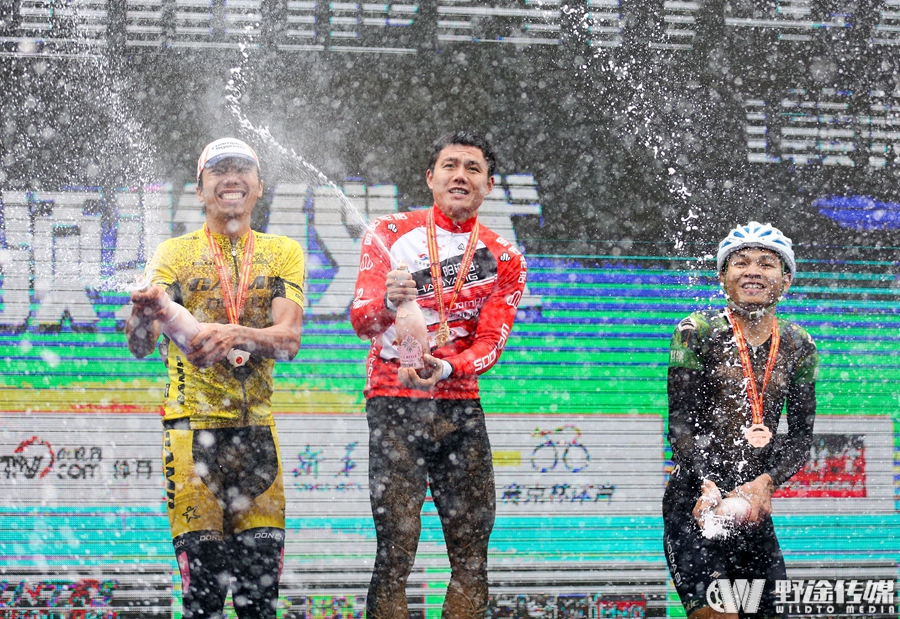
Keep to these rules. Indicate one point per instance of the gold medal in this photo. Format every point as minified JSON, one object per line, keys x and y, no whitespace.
{"x":758,"y":435}
{"x":442,"y":335}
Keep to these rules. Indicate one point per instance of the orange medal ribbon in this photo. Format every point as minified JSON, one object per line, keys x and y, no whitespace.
{"x":757,"y":434}
{"x":234,"y":305}
{"x":437,"y":278}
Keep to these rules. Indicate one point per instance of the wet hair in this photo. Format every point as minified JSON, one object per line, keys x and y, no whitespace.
{"x":463,"y":138}
{"x":224,"y":163}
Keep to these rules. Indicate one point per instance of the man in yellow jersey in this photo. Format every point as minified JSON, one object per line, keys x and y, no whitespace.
{"x":224,"y":486}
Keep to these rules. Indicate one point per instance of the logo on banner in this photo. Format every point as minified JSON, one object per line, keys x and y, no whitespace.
{"x":30,"y":471}
{"x":516,"y":494}
{"x":836,"y":467}
{"x":557,"y":448}
{"x":29,"y":594}
{"x":313,"y":463}
{"x":308,"y":463}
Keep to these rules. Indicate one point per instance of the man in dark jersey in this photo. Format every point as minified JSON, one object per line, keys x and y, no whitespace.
{"x":426,"y":427}
{"x":224,"y":485}
{"x":730,"y":373}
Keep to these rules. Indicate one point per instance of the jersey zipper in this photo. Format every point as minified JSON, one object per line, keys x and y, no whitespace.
{"x":245,"y":412}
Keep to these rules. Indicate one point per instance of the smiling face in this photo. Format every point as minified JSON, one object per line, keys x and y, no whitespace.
{"x":460,"y":181}
{"x":754,"y":277}
{"x":229,"y":189}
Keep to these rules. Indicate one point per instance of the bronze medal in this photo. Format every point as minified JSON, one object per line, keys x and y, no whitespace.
{"x":758,"y":435}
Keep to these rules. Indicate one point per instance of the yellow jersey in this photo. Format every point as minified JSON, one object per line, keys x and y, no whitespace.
{"x":223,"y":395}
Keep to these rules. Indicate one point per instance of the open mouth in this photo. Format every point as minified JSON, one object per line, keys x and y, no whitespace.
{"x":232,"y":194}
{"x":459,"y":191}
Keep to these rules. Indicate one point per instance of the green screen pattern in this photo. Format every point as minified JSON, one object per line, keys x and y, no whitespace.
{"x":592,"y":340}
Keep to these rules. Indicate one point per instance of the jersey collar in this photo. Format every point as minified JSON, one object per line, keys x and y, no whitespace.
{"x":445,"y":223}
{"x":224,"y":238}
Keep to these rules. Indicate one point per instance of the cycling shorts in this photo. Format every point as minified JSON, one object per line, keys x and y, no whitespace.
{"x":695,"y":562}
{"x":223,"y":480}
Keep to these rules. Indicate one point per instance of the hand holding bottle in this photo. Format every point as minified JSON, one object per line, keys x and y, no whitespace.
{"x":176,"y":322}
{"x":423,"y":379}
{"x":412,"y":332}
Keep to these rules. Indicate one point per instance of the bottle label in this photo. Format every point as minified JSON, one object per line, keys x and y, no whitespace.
{"x":411,"y":353}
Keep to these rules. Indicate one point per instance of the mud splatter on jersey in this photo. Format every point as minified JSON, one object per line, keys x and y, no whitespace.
{"x":222,"y":395}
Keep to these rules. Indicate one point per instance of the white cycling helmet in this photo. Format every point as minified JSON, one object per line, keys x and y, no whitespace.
{"x":755,"y":234}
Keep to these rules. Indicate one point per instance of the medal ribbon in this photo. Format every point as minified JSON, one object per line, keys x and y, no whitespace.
{"x":434,"y":260}
{"x":755,"y":396}
{"x":234,"y":306}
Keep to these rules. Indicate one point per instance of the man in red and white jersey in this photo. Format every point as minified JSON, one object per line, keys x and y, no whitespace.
{"x":426,"y":427}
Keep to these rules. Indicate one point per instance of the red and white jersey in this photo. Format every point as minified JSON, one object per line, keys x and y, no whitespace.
{"x":480,"y":321}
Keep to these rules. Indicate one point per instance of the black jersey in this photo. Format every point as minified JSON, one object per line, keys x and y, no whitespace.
{"x":709,"y":408}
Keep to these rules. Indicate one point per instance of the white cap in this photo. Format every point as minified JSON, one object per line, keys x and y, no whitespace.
{"x":222,"y":149}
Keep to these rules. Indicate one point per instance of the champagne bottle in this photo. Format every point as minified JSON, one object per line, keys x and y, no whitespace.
{"x":737,"y":509}
{"x":181,"y":327}
{"x":412,"y":333}
{"x":721,"y":519}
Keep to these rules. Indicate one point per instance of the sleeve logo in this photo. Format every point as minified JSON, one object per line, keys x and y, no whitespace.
{"x":687,"y":324}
